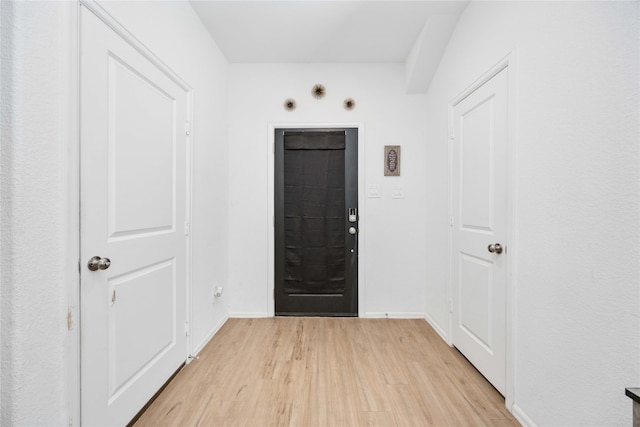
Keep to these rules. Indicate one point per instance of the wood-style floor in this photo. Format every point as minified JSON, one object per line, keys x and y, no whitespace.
{"x":328,"y":372}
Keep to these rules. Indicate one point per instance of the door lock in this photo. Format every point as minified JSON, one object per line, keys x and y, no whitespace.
{"x":98,"y":263}
{"x":353,"y":214}
{"x":352,"y":230}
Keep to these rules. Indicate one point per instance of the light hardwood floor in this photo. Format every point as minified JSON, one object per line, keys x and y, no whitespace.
{"x":328,"y":372}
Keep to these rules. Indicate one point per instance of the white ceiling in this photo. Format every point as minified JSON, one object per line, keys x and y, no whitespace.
{"x":302,"y":31}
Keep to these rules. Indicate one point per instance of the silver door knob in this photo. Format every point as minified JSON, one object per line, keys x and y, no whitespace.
{"x":98,"y":263}
{"x":495,"y":248}
{"x":352,"y":230}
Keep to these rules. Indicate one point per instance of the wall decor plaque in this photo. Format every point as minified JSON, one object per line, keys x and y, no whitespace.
{"x":391,"y":160}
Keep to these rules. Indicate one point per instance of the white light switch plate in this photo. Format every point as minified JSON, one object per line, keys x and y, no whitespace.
{"x":374,"y":191}
{"x":398,"y":192}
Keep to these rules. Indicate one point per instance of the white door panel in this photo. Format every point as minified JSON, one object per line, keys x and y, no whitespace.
{"x":141,"y":145}
{"x":475,"y":299}
{"x":133,"y":205}
{"x":476,"y":181}
{"x":479,"y":204}
{"x":141,"y":328}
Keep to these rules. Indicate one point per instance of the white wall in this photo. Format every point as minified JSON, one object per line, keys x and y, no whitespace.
{"x":39,"y":186}
{"x":176,"y":35}
{"x":393,"y":229}
{"x":577,"y":329}
{"x":34,"y":167}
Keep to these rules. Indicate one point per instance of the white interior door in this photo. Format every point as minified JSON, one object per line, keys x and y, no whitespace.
{"x":133,"y":212}
{"x":479,"y":206}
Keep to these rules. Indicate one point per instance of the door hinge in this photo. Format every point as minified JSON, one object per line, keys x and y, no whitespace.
{"x":450,"y":306}
{"x":451,"y":221}
{"x":187,"y":228}
{"x":186,"y":327}
{"x":187,"y":128}
{"x":273,"y":148}
{"x":452,"y":133}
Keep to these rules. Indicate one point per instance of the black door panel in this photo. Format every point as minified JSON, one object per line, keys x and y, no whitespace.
{"x":316,"y":256}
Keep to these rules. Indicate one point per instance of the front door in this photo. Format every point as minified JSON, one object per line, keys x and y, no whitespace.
{"x":316,"y":222}
{"x":133,"y":211}
{"x":479,"y":206}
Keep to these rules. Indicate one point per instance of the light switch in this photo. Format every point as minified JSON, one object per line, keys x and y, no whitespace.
{"x":398,"y":192}
{"x":374,"y":191}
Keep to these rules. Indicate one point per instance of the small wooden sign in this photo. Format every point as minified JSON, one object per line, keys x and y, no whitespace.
{"x":391,"y":160}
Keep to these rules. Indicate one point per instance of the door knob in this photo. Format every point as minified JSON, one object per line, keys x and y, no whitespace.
{"x":495,"y":248}
{"x":98,"y":263}
{"x":352,"y":230}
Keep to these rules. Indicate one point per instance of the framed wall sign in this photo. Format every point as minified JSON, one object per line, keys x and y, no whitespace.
{"x":391,"y":160}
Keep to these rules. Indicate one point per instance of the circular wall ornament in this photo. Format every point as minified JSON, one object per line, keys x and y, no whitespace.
{"x":349,"y":104}
{"x":318,"y":91}
{"x":290,"y":104}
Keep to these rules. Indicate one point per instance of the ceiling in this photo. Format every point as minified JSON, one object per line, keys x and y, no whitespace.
{"x":333,"y":31}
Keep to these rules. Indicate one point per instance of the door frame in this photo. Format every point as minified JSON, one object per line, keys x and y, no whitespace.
{"x":271,"y":158}
{"x":74,"y":180}
{"x":508,"y":63}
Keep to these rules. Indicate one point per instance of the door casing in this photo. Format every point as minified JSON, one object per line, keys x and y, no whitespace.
{"x":271,"y":202}
{"x":507,"y":63}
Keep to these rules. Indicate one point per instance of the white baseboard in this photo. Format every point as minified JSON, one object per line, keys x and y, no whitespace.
{"x":211,"y":334}
{"x":247,"y":315}
{"x":370,"y":315}
{"x":392,"y":315}
{"x":437,"y":328}
{"x":522,"y":417}
{"x":375,"y":315}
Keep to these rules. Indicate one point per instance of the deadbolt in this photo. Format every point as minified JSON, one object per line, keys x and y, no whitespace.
{"x":353,"y":214}
{"x":98,"y":263}
{"x":352,"y":230}
{"x":495,"y":248}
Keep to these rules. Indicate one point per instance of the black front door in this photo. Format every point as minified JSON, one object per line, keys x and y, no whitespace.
{"x":316,"y":224}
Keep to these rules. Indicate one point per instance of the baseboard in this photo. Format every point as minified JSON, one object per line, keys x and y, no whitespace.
{"x":211,"y":334}
{"x":371,"y":315}
{"x":392,"y":315}
{"x":247,"y":315}
{"x":436,"y":328}
{"x":522,"y":417}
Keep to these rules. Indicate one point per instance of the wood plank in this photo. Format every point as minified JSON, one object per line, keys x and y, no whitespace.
{"x":328,"y":372}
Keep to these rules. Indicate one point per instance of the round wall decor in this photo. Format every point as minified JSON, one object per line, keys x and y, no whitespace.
{"x":318,"y":91}
{"x":290,"y":104}
{"x":349,"y":104}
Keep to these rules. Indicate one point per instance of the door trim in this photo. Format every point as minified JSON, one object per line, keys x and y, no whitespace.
{"x":73,"y":221}
{"x":74,"y":290}
{"x":271,"y":127}
{"x":508,"y":63}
